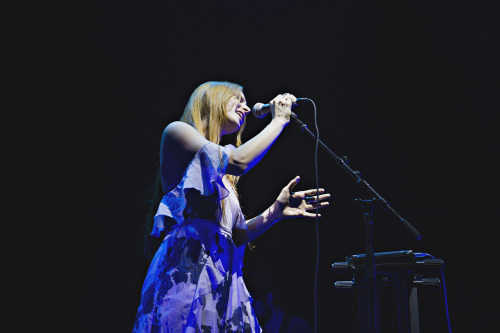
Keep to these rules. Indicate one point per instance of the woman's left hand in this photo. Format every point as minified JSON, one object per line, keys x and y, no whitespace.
{"x":297,"y":204}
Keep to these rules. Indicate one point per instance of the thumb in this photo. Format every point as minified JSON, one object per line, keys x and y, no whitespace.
{"x":293,"y":182}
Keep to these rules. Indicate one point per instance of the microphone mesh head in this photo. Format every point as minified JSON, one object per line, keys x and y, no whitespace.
{"x":257,"y":111}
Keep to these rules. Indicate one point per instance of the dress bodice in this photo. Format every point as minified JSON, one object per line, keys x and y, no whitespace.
{"x":202,"y":193}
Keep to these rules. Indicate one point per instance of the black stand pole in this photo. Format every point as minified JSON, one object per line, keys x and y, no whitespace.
{"x":373,"y":316}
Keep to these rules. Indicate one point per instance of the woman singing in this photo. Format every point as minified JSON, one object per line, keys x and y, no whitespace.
{"x":194,"y":282}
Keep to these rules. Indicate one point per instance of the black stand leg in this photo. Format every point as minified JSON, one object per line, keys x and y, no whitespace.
{"x":372,"y":315}
{"x":402,"y":298}
{"x":414,"y":319}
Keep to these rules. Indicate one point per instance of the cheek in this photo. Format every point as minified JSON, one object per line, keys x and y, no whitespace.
{"x":233,"y":106}
{"x":231,"y":113}
{"x":232,"y":103}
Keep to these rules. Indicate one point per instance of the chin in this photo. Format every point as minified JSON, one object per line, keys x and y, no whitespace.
{"x":232,"y":130}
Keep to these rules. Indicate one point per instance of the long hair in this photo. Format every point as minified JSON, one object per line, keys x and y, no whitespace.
{"x":208,"y":102}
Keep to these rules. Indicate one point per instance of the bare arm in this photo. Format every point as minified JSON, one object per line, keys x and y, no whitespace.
{"x":249,"y":154}
{"x":179,"y":137}
{"x":181,"y":141}
{"x":179,"y":144}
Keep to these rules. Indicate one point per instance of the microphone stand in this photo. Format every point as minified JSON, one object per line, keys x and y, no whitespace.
{"x":367,"y":207}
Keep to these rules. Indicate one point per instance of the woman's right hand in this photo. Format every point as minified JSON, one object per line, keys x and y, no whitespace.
{"x":281,"y":107}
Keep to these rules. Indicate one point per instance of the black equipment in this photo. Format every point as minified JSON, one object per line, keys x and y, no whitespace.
{"x":403,"y":270}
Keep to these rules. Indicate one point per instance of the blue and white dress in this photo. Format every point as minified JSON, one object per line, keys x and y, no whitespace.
{"x":194,"y":282}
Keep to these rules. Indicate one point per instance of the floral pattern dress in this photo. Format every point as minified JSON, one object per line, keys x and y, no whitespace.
{"x":194,"y":282}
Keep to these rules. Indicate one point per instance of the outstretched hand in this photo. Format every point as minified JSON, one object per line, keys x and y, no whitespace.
{"x":297,"y":204}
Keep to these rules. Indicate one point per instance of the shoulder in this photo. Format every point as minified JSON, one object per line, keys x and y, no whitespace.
{"x":184,"y":136}
{"x":178,"y":130}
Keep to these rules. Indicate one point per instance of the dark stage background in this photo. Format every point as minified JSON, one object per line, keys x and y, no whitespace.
{"x":408,"y":90}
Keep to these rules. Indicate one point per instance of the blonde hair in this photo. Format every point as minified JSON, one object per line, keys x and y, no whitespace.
{"x":209,"y":102}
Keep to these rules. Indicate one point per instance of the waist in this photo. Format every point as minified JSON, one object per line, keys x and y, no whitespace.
{"x":205,"y":226}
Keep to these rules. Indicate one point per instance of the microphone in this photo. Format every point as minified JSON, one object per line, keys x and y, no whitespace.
{"x":260,"y":110}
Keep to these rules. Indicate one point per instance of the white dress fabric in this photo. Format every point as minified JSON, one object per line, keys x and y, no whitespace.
{"x":194,"y":282}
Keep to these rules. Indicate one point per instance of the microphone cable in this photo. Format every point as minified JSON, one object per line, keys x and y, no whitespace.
{"x":316,"y":269}
{"x":316,"y":172}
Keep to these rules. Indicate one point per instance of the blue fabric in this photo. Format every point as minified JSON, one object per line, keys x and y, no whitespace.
{"x":194,"y":282}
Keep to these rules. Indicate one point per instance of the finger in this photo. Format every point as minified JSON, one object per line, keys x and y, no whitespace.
{"x":279,"y":97}
{"x":313,"y":206}
{"x":276,"y":99}
{"x":288,"y":96}
{"x":284,"y":99}
{"x":285,"y":102}
{"x":309,"y":193}
{"x":292,"y":183}
{"x":311,"y":215}
{"x":314,"y":198}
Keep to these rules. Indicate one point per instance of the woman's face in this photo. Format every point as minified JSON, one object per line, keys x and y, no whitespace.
{"x":237,"y":110}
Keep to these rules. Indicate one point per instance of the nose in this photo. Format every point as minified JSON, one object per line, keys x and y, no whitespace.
{"x":245,"y":108}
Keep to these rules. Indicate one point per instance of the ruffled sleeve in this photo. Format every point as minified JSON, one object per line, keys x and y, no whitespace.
{"x":200,"y":190}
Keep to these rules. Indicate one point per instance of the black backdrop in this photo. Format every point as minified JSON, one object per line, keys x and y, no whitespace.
{"x":408,"y":90}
